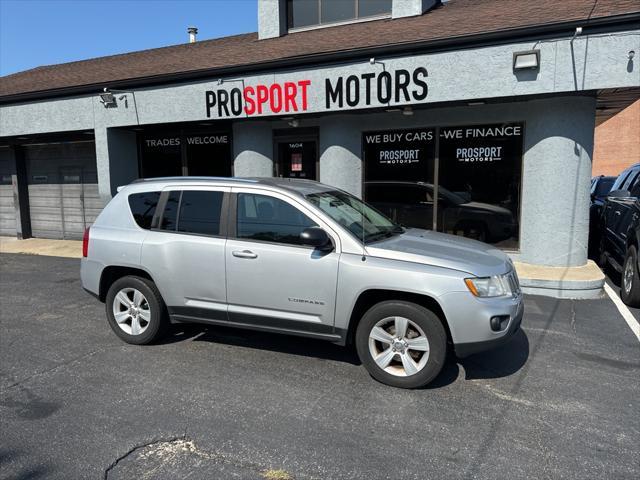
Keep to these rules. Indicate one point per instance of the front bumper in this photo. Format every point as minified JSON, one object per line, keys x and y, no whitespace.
{"x":465,"y":349}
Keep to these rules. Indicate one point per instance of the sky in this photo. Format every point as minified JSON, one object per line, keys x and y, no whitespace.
{"x":45,"y":32}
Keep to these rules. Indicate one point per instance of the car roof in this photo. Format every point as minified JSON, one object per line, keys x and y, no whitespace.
{"x":294,"y":185}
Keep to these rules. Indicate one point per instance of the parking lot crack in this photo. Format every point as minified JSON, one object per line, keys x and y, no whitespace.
{"x":573,"y":317}
{"x":113,"y":464}
{"x":56,"y":368}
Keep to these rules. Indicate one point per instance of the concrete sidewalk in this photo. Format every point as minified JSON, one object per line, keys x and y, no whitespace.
{"x":560,"y":282}
{"x":42,"y":246}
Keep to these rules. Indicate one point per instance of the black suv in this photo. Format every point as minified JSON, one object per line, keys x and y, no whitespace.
{"x":620,"y":231}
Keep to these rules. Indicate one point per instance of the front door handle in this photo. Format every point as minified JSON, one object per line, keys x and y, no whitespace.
{"x":244,"y":254}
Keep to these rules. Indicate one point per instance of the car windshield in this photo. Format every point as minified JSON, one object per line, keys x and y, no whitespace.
{"x":356,"y":216}
{"x":603,"y":186}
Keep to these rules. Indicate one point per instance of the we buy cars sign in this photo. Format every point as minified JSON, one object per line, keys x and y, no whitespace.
{"x":316,"y":93}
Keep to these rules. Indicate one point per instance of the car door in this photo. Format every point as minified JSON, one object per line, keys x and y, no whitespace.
{"x":273,"y":281}
{"x":620,"y":218}
{"x":185,"y":251}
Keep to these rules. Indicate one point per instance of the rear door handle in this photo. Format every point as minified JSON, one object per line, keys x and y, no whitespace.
{"x":244,"y":254}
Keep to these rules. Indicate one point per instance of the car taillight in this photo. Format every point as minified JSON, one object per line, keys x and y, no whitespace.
{"x":85,"y":243}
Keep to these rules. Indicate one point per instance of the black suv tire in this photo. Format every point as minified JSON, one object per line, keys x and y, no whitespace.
{"x":630,"y":285}
{"x":153,"y":307}
{"x":421,"y":322}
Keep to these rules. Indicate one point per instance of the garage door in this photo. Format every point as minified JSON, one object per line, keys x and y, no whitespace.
{"x":63,"y":189}
{"x":7,"y":210}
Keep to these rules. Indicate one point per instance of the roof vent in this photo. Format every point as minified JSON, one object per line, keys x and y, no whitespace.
{"x":193,"y":31}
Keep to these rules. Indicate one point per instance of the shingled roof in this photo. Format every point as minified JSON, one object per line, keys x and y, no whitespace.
{"x":454,"y":20}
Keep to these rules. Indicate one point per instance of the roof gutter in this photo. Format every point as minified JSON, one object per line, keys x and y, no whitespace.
{"x":590,"y":26}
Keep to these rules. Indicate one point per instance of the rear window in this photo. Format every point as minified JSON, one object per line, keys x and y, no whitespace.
{"x":143,"y":207}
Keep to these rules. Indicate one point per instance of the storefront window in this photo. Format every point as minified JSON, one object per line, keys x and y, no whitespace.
{"x":481,"y":165}
{"x":184,"y":152}
{"x":399,"y":168}
{"x":478,"y":179}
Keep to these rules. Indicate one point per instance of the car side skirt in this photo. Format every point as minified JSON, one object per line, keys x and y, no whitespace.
{"x":256,"y":322}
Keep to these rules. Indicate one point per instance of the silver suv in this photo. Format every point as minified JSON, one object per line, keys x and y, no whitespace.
{"x":301,"y":258}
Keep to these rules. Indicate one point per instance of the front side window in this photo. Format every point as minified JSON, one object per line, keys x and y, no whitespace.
{"x":269,"y":219}
{"x":143,"y":207}
{"x":307,"y":13}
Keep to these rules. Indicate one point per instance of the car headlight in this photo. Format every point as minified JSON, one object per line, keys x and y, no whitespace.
{"x":496,"y":286}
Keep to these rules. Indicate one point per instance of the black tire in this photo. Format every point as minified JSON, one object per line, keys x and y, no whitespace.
{"x":425,"y":320}
{"x":630,"y":286}
{"x":158,"y":321}
{"x":603,"y":260}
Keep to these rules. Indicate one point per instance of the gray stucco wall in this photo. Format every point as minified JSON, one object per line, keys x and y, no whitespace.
{"x":253,"y":149}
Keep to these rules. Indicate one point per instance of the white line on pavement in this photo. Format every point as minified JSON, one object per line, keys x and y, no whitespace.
{"x":624,"y":311}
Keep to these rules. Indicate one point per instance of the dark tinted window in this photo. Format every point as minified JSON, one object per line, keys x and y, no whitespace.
{"x":367,"y":8}
{"x":269,"y":219}
{"x":143,"y":207}
{"x":337,"y":10}
{"x":305,"y":13}
{"x":171,"y":211}
{"x":200,"y":212}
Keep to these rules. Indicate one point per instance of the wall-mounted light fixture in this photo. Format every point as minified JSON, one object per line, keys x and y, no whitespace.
{"x":294,"y":123}
{"x":107,"y":98}
{"x":527,"y":60}
{"x":408,"y":111}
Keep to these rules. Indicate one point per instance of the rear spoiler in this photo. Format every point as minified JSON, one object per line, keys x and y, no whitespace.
{"x":120,"y":188}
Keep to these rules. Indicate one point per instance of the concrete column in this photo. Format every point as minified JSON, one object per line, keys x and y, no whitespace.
{"x":340,"y":152}
{"x":272,"y":18}
{"x":556,"y":181}
{"x":410,"y":8}
{"x":252,"y":149}
{"x":116,"y":159}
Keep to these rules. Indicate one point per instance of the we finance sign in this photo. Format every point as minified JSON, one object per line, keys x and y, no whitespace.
{"x":317,"y":94}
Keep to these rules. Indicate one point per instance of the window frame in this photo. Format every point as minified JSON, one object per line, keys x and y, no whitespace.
{"x":224,"y":209}
{"x":321,"y":24}
{"x":298,"y":205}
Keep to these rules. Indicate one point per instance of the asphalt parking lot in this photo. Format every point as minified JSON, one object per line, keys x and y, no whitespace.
{"x":559,"y":401}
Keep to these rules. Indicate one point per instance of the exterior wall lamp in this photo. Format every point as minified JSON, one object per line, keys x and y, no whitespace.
{"x":107,"y":98}
{"x":527,"y":60}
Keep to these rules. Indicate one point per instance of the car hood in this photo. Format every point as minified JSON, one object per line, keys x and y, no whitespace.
{"x":443,"y":250}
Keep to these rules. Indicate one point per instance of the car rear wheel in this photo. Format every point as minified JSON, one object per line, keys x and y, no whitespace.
{"x":630,"y":288}
{"x":401,"y":344}
{"x":135,"y":310}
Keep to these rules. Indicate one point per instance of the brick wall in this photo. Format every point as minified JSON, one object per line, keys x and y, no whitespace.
{"x":617,"y":142}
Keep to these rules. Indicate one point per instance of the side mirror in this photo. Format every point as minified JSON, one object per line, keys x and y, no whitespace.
{"x":619,"y":194}
{"x":317,"y":238}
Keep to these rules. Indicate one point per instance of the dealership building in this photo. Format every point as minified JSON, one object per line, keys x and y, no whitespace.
{"x":472,"y":117}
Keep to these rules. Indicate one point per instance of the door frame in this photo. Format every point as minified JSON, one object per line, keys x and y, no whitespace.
{"x":297,"y":135}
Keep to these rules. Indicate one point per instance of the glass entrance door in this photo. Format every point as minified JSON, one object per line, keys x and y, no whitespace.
{"x":297,"y":158}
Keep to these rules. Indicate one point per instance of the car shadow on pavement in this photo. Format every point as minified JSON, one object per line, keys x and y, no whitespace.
{"x":288,"y":344}
{"x":499,"y":362}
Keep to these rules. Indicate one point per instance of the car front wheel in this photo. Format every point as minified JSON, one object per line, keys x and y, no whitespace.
{"x":630,"y":288}
{"x":401,"y":344}
{"x":135,"y":310}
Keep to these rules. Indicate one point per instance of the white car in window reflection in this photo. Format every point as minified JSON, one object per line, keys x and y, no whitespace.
{"x":411,"y":204}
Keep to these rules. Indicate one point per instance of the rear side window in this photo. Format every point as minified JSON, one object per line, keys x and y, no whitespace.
{"x":143,"y":207}
{"x":200,"y":212}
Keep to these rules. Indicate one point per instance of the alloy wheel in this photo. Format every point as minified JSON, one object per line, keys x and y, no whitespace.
{"x":131,"y":311}
{"x":399,"y":346}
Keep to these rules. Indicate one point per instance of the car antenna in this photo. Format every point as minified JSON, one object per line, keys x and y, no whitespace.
{"x":364,"y":258}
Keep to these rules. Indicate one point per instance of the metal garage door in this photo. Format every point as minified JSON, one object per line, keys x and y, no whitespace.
{"x":7,"y":209}
{"x":63,"y":189}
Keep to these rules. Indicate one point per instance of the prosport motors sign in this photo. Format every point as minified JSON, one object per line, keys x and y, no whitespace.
{"x":367,"y":89}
